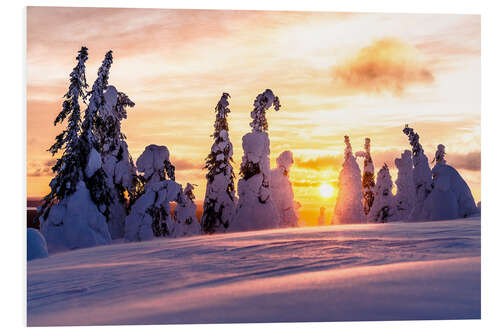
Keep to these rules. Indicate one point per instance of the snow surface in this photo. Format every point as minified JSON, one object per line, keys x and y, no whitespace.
{"x":37,"y":246}
{"x":391,"y":271}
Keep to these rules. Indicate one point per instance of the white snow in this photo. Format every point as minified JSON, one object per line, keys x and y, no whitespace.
{"x":152,"y":160}
{"x":349,"y":205}
{"x":37,"y":246}
{"x":93,"y":164}
{"x":186,"y":223}
{"x":282,"y":191}
{"x":74,"y":223}
{"x":390,"y":271}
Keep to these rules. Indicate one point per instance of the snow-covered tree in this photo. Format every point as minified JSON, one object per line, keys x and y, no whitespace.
{"x":349,"y":206}
{"x":383,"y":208}
{"x":406,"y":192}
{"x":69,"y":167}
{"x":368,"y":180}
{"x":282,"y":191}
{"x":451,"y":197}
{"x":186,"y":223}
{"x":421,"y":176}
{"x":150,"y":213}
{"x":70,"y":217}
{"x":94,"y":176}
{"x":256,"y":209}
{"x":116,"y":161}
{"x":220,"y":200}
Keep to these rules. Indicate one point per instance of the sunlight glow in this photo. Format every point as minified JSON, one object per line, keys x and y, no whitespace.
{"x":326,"y":190}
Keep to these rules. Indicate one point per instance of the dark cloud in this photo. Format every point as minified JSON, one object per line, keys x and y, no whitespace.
{"x":385,"y":65}
{"x":470,"y":161}
{"x":181,"y":165}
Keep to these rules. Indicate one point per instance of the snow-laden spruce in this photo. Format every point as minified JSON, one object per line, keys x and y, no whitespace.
{"x":384,"y":207}
{"x":220,"y":200}
{"x":406,"y":191}
{"x":451,"y":197}
{"x":186,"y":223}
{"x":282,"y":191}
{"x":116,"y":161}
{"x":421,"y":176}
{"x":70,"y":216}
{"x":256,"y":209}
{"x":37,"y":246}
{"x":150,"y":213}
{"x":349,"y":206}
{"x":368,"y":179}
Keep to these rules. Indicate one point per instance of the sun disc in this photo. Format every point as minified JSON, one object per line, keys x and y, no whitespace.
{"x":326,"y":190}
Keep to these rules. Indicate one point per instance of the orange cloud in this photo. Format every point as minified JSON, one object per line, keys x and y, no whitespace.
{"x":385,"y":65}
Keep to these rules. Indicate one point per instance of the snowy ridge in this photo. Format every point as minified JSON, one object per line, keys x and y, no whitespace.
{"x":350,"y":272}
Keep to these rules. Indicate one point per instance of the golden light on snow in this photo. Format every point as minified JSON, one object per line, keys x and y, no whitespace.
{"x":326,"y":190}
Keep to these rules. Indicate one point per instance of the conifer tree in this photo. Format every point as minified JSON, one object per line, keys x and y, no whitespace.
{"x":349,"y":205}
{"x":421,"y":175}
{"x":383,"y":209}
{"x":116,"y":160}
{"x":69,"y":167}
{"x":220,"y":200}
{"x":406,"y":191}
{"x":255,"y":209}
{"x":95,"y":177}
{"x":368,"y":179}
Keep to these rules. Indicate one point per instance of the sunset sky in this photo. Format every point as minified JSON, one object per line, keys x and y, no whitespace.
{"x":362,"y":75}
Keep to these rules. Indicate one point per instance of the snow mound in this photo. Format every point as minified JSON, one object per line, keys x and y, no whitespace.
{"x":74,"y":223}
{"x":37,"y":247}
{"x":451,"y":197}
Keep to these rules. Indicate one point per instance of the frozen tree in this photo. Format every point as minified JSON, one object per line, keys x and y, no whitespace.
{"x":116,"y":161}
{"x":256,"y":209}
{"x":451,"y":197}
{"x":220,"y":200}
{"x":70,"y":218}
{"x":94,"y":176}
{"x":282,"y":191}
{"x":186,"y":223}
{"x":349,"y":206}
{"x":69,"y":167}
{"x":321,"y":217}
{"x":406,"y":194}
{"x":368,"y":180}
{"x":383,"y":208}
{"x":421,"y":176}
{"x":150,"y":213}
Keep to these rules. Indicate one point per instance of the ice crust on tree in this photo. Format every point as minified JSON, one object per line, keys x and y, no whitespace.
{"x":321,"y":217}
{"x":75,"y":222}
{"x":186,"y":223}
{"x":406,"y":191}
{"x":220,"y":199}
{"x":150,"y":215}
{"x":37,"y":246}
{"x":421,"y":176}
{"x":282,"y":191}
{"x":349,"y":205}
{"x":451,"y":197}
{"x":384,"y":207}
{"x":368,"y":179}
{"x":256,"y":209}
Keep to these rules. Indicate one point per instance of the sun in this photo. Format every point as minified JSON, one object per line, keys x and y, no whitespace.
{"x":326,"y":190}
